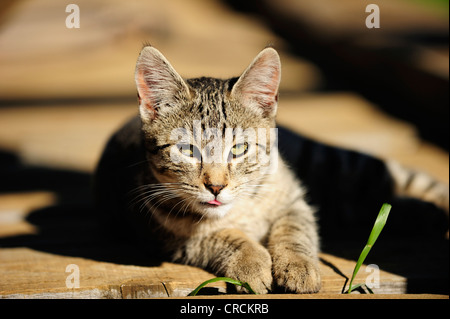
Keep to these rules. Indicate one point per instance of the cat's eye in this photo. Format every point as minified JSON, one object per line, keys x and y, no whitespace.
{"x":239,"y":150}
{"x":189,"y":150}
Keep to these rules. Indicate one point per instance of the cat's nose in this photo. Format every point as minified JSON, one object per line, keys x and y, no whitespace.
{"x":215,"y":189}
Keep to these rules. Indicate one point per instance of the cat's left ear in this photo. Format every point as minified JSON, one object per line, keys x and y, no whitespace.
{"x":258,"y":85}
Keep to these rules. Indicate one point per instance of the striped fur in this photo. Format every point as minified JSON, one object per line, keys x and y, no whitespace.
{"x":411,"y":183}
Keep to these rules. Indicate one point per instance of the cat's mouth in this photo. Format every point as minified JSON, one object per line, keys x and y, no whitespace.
{"x":214,"y":208}
{"x":213,"y":203}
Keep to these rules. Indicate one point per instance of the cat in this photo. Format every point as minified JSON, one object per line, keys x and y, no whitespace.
{"x":199,"y":172}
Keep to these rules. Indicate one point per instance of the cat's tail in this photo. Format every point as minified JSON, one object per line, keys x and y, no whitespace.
{"x":410,"y":183}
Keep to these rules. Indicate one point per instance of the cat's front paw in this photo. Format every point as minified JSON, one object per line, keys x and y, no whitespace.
{"x":252,"y":265}
{"x":297,"y":273}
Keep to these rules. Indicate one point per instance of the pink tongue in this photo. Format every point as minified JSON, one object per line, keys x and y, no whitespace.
{"x":215,"y":202}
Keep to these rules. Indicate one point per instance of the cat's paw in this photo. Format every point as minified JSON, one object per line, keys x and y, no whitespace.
{"x":252,"y":265}
{"x":297,"y":273}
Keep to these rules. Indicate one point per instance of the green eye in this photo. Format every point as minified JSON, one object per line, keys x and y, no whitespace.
{"x":239,"y":149}
{"x":187,"y":150}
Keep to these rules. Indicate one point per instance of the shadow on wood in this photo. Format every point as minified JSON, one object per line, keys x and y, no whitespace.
{"x":71,"y":227}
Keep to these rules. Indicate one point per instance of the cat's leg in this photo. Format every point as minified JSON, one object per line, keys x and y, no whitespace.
{"x":230,"y":253}
{"x":293,"y":245}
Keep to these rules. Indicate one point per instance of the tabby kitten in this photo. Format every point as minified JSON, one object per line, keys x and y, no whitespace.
{"x":199,"y":171}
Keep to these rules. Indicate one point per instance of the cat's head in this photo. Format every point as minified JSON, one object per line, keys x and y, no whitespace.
{"x":210,"y":142}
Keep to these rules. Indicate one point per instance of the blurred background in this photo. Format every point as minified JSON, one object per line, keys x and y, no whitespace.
{"x":63,"y":91}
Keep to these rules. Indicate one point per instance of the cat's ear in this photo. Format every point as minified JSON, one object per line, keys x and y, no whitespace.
{"x":158,"y":84}
{"x":258,"y":85}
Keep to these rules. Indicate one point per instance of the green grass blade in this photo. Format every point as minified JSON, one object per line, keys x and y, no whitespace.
{"x":226,"y":279}
{"x":379,"y":224}
{"x":360,"y":261}
{"x":362,"y":286}
{"x":356,"y":286}
{"x":376,"y":230}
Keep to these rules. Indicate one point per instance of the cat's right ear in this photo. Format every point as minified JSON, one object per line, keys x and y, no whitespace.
{"x":157,"y":82}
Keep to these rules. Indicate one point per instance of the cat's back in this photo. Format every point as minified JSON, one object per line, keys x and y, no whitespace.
{"x":127,"y":137}
{"x":123,"y":151}
{"x":118,"y":170}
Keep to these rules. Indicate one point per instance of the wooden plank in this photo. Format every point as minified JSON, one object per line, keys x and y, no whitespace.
{"x":98,"y":58}
{"x":25,"y":273}
{"x":31,"y":274}
{"x":353,"y":122}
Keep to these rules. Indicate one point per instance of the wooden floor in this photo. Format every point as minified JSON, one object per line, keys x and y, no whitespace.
{"x":64,"y":91}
